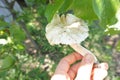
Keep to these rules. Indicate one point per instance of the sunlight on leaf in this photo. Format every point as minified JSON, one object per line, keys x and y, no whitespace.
{"x":105,"y":10}
{"x":115,"y":28}
{"x":3,"y":41}
{"x":98,"y":7}
{"x":1,"y":32}
{"x":117,"y":24}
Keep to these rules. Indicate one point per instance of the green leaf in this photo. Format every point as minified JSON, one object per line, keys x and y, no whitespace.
{"x":7,"y":63}
{"x":52,"y":8}
{"x":3,"y":25}
{"x":65,"y":6}
{"x":105,"y":10}
{"x":112,"y":31}
{"x":17,"y":33}
{"x":83,"y":9}
{"x":98,"y":7}
{"x":19,"y":47}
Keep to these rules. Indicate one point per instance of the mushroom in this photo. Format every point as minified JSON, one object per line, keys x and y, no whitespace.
{"x":69,"y":30}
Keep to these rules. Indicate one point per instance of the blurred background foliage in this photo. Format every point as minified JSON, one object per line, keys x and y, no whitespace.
{"x":25,"y":54}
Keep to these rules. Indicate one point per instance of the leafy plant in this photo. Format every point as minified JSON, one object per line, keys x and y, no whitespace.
{"x":29,"y":26}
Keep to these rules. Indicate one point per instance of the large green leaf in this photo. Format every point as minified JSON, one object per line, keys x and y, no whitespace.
{"x":65,"y":6}
{"x":105,"y":10}
{"x":83,"y":9}
{"x":6,"y":63}
{"x":52,"y":8}
{"x":79,"y":8}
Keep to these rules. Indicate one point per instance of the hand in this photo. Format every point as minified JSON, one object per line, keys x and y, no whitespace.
{"x":84,"y":70}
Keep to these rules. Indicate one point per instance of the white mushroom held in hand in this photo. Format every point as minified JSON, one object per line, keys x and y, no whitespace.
{"x":68,"y":30}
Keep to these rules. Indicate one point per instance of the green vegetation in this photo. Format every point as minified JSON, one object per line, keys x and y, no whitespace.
{"x":25,"y":53}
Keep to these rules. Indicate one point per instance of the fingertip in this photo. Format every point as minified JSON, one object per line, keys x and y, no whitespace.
{"x":103,"y":66}
{"x":99,"y":74}
{"x":84,"y":71}
{"x":100,"y":71}
{"x":106,"y":66}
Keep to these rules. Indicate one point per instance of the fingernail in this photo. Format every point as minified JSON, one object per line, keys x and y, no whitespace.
{"x":89,"y":58}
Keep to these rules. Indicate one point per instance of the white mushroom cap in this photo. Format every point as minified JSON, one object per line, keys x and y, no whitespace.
{"x":66,"y":30}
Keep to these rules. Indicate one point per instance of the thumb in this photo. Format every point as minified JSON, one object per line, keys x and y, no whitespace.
{"x":85,"y":69}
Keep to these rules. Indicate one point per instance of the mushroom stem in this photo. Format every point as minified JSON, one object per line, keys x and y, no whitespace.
{"x":83,"y":51}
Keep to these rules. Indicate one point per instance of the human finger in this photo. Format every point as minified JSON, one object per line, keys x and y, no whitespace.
{"x":73,"y":71}
{"x":65,"y":64}
{"x":100,"y":72}
{"x":101,"y":65}
{"x":85,"y":69}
